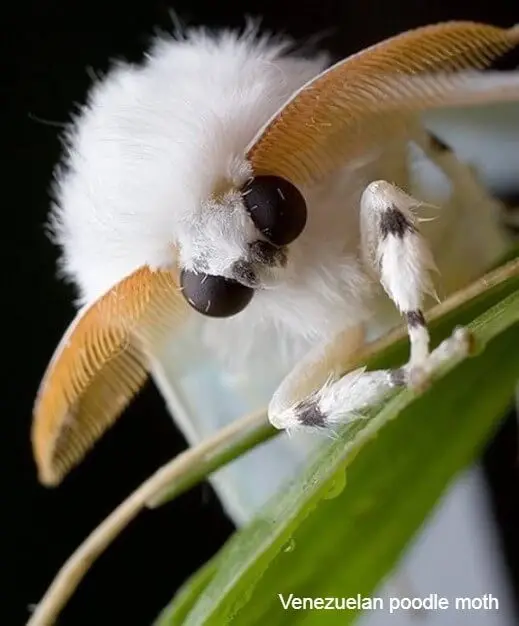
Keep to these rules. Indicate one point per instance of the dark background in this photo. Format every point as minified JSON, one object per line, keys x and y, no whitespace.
{"x":48,"y":46}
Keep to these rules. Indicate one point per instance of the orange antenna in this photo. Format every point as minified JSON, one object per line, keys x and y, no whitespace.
{"x":99,"y":365}
{"x":359,"y":101}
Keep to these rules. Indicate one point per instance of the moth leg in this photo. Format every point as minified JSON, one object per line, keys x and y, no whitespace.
{"x":317,"y":393}
{"x":467,"y":183}
{"x":463,"y":176}
{"x":398,"y":255}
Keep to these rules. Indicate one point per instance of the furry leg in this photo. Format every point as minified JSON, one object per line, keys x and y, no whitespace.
{"x":397,"y":253}
{"x":463,"y":176}
{"x":345,"y":398}
{"x":400,"y":257}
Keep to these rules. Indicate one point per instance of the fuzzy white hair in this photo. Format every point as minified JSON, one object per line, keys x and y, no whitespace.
{"x":143,"y":160}
{"x":153,"y":141}
{"x":147,"y":151}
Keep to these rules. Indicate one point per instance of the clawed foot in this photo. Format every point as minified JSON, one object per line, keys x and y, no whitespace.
{"x":349,"y":397}
{"x":459,"y":345}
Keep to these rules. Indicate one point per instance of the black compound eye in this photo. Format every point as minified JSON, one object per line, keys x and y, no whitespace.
{"x":214,"y":296}
{"x":276,"y":207}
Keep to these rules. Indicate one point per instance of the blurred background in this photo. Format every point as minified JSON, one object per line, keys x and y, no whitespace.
{"x":52,"y":51}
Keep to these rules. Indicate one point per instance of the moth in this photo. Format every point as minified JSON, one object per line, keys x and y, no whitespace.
{"x":281,"y":210}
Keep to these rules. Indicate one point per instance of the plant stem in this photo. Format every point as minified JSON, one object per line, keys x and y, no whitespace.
{"x":178,"y":475}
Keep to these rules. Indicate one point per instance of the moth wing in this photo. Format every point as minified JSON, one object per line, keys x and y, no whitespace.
{"x":203,"y":397}
{"x":371,"y":95}
{"x":486,"y":137}
{"x":99,"y":365}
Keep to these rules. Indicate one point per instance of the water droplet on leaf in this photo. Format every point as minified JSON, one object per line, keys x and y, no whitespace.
{"x":336,"y":485}
{"x":290,"y":546}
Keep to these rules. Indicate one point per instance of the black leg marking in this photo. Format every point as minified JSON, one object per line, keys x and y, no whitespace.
{"x":394,"y":222}
{"x":415,"y":319}
{"x":398,"y":377}
{"x":509,"y":216}
{"x":438,"y":144}
{"x":309,"y":414}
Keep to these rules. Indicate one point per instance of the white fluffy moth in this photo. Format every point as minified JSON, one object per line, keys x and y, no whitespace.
{"x":230,"y":184}
{"x":235,"y":191}
{"x":239,"y":219}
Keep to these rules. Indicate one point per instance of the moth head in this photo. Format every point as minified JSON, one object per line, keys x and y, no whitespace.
{"x":339,"y":116}
{"x":277,"y":210}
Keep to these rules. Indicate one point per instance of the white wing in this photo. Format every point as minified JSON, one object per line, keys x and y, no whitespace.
{"x":203,"y":397}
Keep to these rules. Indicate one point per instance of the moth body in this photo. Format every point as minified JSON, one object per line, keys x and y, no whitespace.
{"x":154,"y":192}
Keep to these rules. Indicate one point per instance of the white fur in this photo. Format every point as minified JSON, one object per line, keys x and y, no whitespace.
{"x":339,"y":401}
{"x":403,"y":263}
{"x":149,"y":148}
{"x":347,"y":398}
{"x":154,"y":142}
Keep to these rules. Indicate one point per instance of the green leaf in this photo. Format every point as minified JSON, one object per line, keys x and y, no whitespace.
{"x":319,"y":539}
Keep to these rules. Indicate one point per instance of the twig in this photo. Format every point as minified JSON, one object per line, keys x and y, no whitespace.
{"x":176,"y":476}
